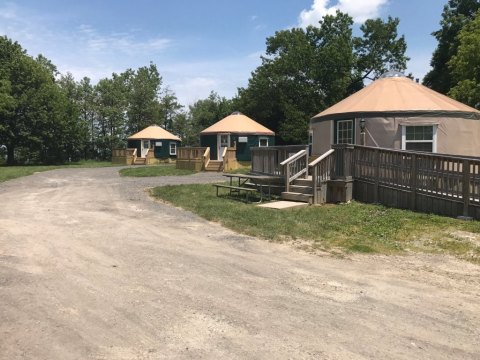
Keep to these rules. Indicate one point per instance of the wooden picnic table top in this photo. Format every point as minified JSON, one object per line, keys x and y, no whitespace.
{"x":248,"y":176}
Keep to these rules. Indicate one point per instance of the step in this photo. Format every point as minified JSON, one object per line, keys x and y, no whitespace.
{"x":303,"y":182}
{"x":302,"y":189}
{"x":293,"y":196}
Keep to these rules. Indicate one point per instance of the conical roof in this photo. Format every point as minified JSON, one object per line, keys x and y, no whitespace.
{"x":237,"y":123}
{"x":397,"y":95}
{"x":154,"y":132}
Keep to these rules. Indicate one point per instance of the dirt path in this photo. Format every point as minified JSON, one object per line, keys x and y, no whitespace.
{"x":90,"y":268}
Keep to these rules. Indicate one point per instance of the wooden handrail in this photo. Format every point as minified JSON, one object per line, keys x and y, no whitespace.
{"x":321,"y":170}
{"x":294,"y":157}
{"x":290,"y":162}
{"x":316,"y":161}
{"x":206,"y":157}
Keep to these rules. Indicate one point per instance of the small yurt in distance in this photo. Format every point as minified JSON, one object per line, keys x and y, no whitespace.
{"x":236,"y":129}
{"x":399,"y":113}
{"x":163,"y":143}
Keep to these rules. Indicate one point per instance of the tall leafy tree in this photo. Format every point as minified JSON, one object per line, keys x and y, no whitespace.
{"x":88,"y":114}
{"x":456,"y":14}
{"x":112,"y":104}
{"x":31,"y":105}
{"x":465,"y":65}
{"x":306,"y":70}
{"x":75,"y":136}
{"x":168,"y":109}
{"x":380,"y":48}
{"x":144,"y":86}
{"x":208,"y":111}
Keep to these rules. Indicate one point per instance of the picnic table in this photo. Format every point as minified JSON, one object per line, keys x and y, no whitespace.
{"x":248,"y":184}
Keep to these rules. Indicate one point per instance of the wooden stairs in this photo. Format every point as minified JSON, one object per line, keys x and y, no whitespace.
{"x":214,"y":165}
{"x":140,"y":161}
{"x":301,"y":190}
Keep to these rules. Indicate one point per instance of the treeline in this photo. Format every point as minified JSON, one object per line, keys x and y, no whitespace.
{"x":49,"y":117}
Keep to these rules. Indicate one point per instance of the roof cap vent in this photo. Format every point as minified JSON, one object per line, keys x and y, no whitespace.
{"x":392,"y":74}
{"x":237,"y":113}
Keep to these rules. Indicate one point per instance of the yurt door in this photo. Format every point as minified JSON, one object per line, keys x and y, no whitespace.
{"x":223,"y":142}
{"x":145,"y":147}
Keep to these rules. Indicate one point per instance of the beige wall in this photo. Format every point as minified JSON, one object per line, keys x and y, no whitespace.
{"x":322,"y":137}
{"x":455,"y":136}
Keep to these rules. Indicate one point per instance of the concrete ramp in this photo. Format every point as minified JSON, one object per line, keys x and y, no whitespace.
{"x":280,"y":205}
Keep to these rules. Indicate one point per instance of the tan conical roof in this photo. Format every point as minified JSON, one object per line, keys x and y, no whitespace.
{"x":393,"y":95}
{"x":237,"y":123}
{"x":154,"y":132}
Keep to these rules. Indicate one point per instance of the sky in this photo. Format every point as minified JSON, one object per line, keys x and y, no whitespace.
{"x":198,"y":46}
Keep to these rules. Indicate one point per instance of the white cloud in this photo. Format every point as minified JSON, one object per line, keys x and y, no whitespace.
{"x":360,"y":10}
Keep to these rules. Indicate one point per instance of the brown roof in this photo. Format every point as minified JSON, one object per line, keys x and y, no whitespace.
{"x":237,"y":123}
{"x":154,"y":132}
{"x":396,"y":95}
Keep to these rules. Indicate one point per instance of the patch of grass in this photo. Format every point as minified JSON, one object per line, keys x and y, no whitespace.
{"x":13,"y":172}
{"x":245,"y":167}
{"x":155,"y":170}
{"x":353,"y":227}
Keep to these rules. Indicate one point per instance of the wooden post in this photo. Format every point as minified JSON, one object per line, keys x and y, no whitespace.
{"x":413,"y":183}
{"x":287,"y":178}
{"x":376,"y":175}
{"x":315,"y":184}
{"x":466,"y":187}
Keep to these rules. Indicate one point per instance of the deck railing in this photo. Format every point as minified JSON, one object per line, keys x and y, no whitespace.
{"x":444,"y":184}
{"x":294,"y":167}
{"x":192,"y":158}
{"x":124,"y":156}
{"x":266,"y":160}
{"x":322,"y":169}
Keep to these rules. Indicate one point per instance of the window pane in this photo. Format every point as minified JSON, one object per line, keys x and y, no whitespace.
{"x":345,"y":132}
{"x":419,"y":146}
{"x":410,"y":132}
{"x":419,"y":133}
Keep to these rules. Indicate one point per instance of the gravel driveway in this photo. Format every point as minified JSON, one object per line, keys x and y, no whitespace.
{"x":92,"y":268}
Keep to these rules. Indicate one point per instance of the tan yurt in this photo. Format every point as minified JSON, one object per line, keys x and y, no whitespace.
{"x":236,"y":129}
{"x":163,"y":143}
{"x":397,"y":112}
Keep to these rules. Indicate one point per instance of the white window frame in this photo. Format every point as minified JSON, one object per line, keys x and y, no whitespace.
{"x":174,"y":152}
{"x":260,"y":141}
{"x":337,"y":123}
{"x":433,"y":141}
{"x":146,"y":142}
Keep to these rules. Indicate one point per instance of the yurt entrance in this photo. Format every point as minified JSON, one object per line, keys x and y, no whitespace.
{"x":145,"y":147}
{"x":223,"y":141}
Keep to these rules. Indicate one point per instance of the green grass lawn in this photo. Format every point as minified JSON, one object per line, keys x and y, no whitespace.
{"x":353,"y":227}
{"x":155,"y":170}
{"x":13,"y":172}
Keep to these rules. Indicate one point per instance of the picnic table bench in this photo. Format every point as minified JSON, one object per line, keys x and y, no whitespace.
{"x":248,"y":184}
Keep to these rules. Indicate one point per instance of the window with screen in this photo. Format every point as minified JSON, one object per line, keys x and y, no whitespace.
{"x":344,"y":132}
{"x":419,"y":138}
{"x":173,"y":149}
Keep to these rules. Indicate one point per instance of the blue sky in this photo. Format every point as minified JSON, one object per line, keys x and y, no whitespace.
{"x":198,"y":46}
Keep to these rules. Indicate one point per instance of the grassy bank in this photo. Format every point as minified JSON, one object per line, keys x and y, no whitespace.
{"x":13,"y":172}
{"x":155,"y":170}
{"x":353,"y":227}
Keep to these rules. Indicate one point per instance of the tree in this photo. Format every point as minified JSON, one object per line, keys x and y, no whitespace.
{"x":465,"y":65}
{"x":456,"y":14}
{"x":31,"y":105}
{"x":144,"y":86}
{"x":168,"y":109}
{"x":88,"y":114}
{"x":306,"y":70}
{"x":112,"y":104}
{"x":206,"y":112}
{"x":75,"y":135}
{"x":303,"y":71}
{"x":380,"y":49}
